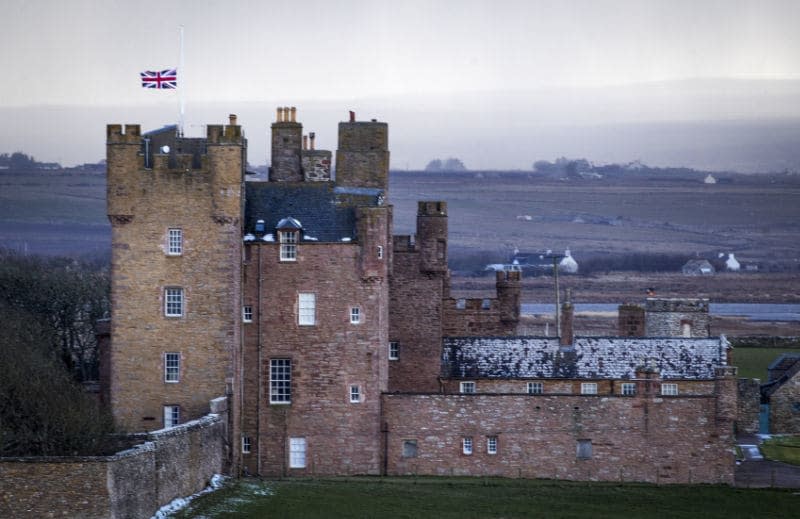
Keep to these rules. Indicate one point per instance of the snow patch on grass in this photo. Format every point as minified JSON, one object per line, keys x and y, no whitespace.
{"x":166,"y":511}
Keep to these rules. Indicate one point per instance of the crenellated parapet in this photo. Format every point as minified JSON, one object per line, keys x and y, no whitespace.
{"x":127,"y":134}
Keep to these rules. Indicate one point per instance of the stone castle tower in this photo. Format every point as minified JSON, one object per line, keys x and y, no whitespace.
{"x":176,"y":248}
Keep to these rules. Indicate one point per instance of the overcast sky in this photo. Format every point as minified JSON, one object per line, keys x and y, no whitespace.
{"x":526,"y":62}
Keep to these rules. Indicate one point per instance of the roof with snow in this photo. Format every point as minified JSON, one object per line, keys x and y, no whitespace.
{"x":588,"y":357}
{"x":327,"y":213}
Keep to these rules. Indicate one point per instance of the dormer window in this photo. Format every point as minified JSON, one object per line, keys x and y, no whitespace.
{"x":288,"y":241}
{"x":289,"y":236}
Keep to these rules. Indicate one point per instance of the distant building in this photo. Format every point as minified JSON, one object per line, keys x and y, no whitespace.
{"x":710,"y":179}
{"x":698,"y":267}
{"x":568,"y":265}
{"x":731,"y":263}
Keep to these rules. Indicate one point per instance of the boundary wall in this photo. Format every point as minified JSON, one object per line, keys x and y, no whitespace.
{"x":132,"y":483}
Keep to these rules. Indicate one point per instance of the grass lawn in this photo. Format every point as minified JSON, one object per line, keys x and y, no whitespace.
{"x":782,"y":448}
{"x":463,"y":498}
{"x":753,"y":362}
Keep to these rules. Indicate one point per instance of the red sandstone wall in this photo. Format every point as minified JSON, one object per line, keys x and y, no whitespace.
{"x":475,"y":319}
{"x":415,"y":323}
{"x":328,"y":357}
{"x":675,"y":440}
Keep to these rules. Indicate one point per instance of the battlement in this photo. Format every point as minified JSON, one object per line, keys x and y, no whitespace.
{"x":402,"y":243}
{"x":508,"y":276}
{"x":431,"y":208}
{"x":363,"y":135}
{"x":129,"y":134}
{"x":219,"y":134}
{"x":682,"y":305}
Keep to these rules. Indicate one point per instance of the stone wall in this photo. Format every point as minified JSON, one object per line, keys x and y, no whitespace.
{"x":643,"y":438}
{"x":674,"y":317}
{"x":362,"y":157}
{"x":749,"y":405}
{"x":415,"y":307}
{"x":143,"y":204}
{"x":133,"y":483}
{"x":327,"y":357}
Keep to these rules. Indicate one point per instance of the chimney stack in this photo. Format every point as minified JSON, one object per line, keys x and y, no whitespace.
{"x":567,"y":334}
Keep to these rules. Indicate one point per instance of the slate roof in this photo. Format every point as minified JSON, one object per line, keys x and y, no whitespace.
{"x":780,"y":371}
{"x":589,"y":357}
{"x":326,"y":212}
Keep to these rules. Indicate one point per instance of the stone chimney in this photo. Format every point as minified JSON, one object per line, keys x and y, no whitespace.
{"x":567,"y":333}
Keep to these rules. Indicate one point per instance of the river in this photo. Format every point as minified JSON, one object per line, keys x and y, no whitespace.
{"x":751,"y":311}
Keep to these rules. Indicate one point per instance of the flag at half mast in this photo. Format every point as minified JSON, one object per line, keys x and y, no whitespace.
{"x":160,"y":78}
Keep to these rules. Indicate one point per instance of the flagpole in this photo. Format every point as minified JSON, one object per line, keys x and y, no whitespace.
{"x":181,"y":85}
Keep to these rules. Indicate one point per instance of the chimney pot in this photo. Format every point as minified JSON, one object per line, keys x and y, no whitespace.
{"x":352,"y":116}
{"x":293,"y":112}
{"x":279,"y":114}
{"x":286,"y":114}
{"x":305,"y":142}
{"x":232,"y":119}
{"x":312,"y":136}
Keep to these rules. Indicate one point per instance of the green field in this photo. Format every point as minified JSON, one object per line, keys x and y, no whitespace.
{"x":782,"y":448}
{"x":753,"y":362}
{"x":462,"y":498}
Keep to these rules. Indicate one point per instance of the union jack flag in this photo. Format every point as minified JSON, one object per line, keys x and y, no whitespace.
{"x":160,"y":79}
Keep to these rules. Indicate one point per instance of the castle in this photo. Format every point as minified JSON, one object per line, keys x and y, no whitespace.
{"x":339,"y":347}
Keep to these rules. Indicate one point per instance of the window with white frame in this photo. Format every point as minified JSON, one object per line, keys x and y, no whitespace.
{"x":175,"y":242}
{"x":535,"y":388}
{"x":467,"y":387}
{"x":355,"y":315}
{"x":628,"y":388}
{"x":380,"y":252}
{"x":247,"y":314}
{"x":288,"y":240}
{"x":466,"y":445}
{"x":280,"y":381}
{"x":297,"y":453}
{"x":491,"y":445}
{"x":588,"y":388}
{"x":584,"y":449}
{"x":669,"y":389}
{"x":172,"y":416}
{"x":246,"y":445}
{"x":172,"y":367}
{"x":306,"y":309}
{"x":173,"y":302}
{"x":394,"y":350}
{"x":355,"y":394}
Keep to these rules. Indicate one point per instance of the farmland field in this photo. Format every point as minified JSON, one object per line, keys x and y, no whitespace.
{"x":482,"y":498}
